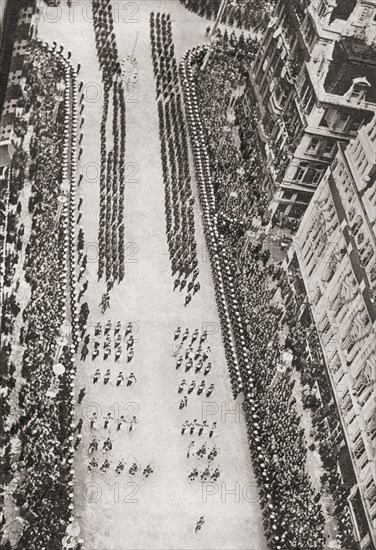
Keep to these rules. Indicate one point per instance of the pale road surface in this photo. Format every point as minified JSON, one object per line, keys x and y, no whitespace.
{"x":167,"y":506}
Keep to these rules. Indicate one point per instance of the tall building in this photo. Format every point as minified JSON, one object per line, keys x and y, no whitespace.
{"x":336,"y":250}
{"x":314,"y":81}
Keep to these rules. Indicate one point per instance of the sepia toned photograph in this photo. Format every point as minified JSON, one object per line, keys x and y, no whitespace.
{"x":188,"y":274}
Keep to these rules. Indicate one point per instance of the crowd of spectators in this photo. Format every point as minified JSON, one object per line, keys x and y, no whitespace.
{"x":43,"y":468}
{"x":11,"y":245}
{"x":244,"y":14}
{"x":236,"y":163}
{"x":277,"y":444}
{"x":179,"y":200}
{"x":112,"y":181}
{"x":328,"y":436}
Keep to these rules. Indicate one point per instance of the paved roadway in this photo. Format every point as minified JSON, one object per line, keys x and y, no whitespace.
{"x":167,"y":506}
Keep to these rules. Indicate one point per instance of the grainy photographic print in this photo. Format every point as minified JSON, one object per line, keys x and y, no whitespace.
{"x":188,"y":274}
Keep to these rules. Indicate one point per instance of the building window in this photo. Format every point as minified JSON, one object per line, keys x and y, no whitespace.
{"x":339,"y":376}
{"x":356,"y":125}
{"x":346,"y":403}
{"x":313,"y":146}
{"x":325,"y":326}
{"x":329,"y":149}
{"x":309,"y":33}
{"x":352,"y":213}
{"x":357,"y":93}
{"x":324,"y":122}
{"x":371,"y":493}
{"x":358,"y":89}
{"x":360,"y":384}
{"x":297,"y":211}
{"x":317,"y":296}
{"x":288,"y":195}
{"x":360,"y":238}
{"x":365,"y":395}
{"x":335,"y":363}
{"x":307,"y":251}
{"x":309,"y":105}
{"x":342,"y":122}
{"x":322,"y":9}
{"x":301,"y":171}
{"x":368,"y":254}
{"x":371,"y":428}
{"x":310,"y":259}
{"x":372,"y":274}
{"x":339,"y":307}
{"x":316,"y":175}
{"x":357,"y":224}
{"x":351,"y":346}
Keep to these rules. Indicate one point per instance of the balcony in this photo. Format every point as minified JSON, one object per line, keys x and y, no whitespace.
{"x":276,"y":105}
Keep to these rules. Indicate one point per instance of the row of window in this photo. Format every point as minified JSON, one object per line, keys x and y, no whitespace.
{"x":360,"y":158}
{"x":320,"y":147}
{"x":314,"y":246}
{"x":308,"y":173}
{"x":370,"y":493}
{"x":342,"y":121}
{"x":366,"y":249}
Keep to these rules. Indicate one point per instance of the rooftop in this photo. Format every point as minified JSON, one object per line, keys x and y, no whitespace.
{"x":343,"y":10}
{"x":352,"y":58}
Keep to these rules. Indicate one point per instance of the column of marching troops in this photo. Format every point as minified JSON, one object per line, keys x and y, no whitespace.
{"x":111,"y":235}
{"x":195,"y":358}
{"x":175,"y":164}
{"x":105,"y":428}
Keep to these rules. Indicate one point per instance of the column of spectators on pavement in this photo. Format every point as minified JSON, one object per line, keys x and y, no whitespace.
{"x":41,"y":461}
